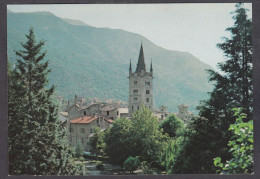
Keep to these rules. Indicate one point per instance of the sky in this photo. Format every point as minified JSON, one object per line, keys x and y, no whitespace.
{"x":188,"y":27}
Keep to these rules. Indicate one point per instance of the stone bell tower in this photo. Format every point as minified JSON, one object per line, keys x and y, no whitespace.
{"x":140,"y":85}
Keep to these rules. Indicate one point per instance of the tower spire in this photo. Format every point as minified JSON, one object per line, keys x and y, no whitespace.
{"x":141,"y":64}
{"x":151,"y":67}
{"x":130,"y":67}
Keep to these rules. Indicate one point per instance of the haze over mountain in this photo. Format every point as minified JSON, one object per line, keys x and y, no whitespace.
{"x":94,"y":62}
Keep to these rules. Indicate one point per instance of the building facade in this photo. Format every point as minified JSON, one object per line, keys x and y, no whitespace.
{"x":81,"y":129}
{"x":140,"y":85}
{"x":184,"y":114}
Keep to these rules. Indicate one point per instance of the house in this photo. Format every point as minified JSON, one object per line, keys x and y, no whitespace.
{"x":81,"y":129}
{"x":113,"y":112}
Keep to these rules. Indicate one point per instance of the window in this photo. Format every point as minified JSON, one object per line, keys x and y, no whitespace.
{"x":85,"y":113}
{"x":135,"y":82}
{"x":135,"y":91}
{"x":147,"y":100}
{"x":82,"y":130}
{"x":71,"y":129}
{"x":117,"y":113}
{"x":135,"y":99}
{"x":82,"y":140}
{"x":132,"y":108}
{"x":137,"y":107}
{"x":108,"y":113}
{"x":147,"y":83}
{"x":147,"y":91}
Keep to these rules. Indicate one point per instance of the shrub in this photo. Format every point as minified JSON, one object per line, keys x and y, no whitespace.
{"x":147,"y":168}
{"x":131,"y":164}
{"x":241,"y":148}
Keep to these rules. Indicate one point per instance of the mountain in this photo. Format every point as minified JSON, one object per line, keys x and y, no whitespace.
{"x":75,"y":22}
{"x":94,"y":62}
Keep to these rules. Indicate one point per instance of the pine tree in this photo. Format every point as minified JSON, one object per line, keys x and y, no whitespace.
{"x":232,"y":88}
{"x":37,"y":142}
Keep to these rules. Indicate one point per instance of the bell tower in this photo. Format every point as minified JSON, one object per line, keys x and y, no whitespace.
{"x":140,"y":85}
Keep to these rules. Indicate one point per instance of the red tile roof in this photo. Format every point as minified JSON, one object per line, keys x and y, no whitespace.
{"x":84,"y":120}
{"x":109,"y":120}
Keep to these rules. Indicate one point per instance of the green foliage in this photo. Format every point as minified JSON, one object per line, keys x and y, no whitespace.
{"x":139,"y":136}
{"x":79,"y":150}
{"x":37,"y":141}
{"x":131,"y":164}
{"x":172,"y":126}
{"x":208,"y":136}
{"x":241,"y":148}
{"x":147,"y":168}
{"x":97,"y":142}
{"x":171,"y":152}
{"x":91,"y":51}
{"x":147,"y":139}
{"x":118,"y":145}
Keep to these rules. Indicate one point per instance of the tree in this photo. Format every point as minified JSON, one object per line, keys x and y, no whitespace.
{"x":171,"y":152}
{"x":140,"y":136}
{"x":172,"y":126}
{"x":209,"y":134}
{"x":241,"y":147}
{"x":97,"y":141}
{"x":118,"y":144}
{"x":79,"y":150}
{"x":131,"y":164}
{"x":37,"y":143}
{"x":147,"y":139}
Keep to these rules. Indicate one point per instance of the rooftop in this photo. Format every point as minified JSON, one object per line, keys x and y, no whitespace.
{"x":83,"y":120}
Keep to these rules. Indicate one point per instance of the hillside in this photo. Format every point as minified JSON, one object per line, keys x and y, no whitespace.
{"x":94,"y":62}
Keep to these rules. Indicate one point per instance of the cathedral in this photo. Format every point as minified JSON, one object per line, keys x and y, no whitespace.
{"x":140,"y":85}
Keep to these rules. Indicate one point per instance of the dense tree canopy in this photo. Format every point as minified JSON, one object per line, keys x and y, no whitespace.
{"x":209,"y":135}
{"x":118,"y":145}
{"x":138,"y":136}
{"x":37,"y":141}
{"x":172,"y":126}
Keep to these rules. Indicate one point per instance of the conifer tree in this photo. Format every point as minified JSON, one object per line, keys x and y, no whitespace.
{"x":232,"y":88}
{"x":37,"y":142}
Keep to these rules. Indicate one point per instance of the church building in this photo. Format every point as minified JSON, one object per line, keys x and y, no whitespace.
{"x":140,"y":85}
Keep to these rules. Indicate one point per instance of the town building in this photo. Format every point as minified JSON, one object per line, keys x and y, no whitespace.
{"x":140,"y":85}
{"x":84,"y":117}
{"x":162,"y":113}
{"x":81,"y":129}
{"x":184,"y":114}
